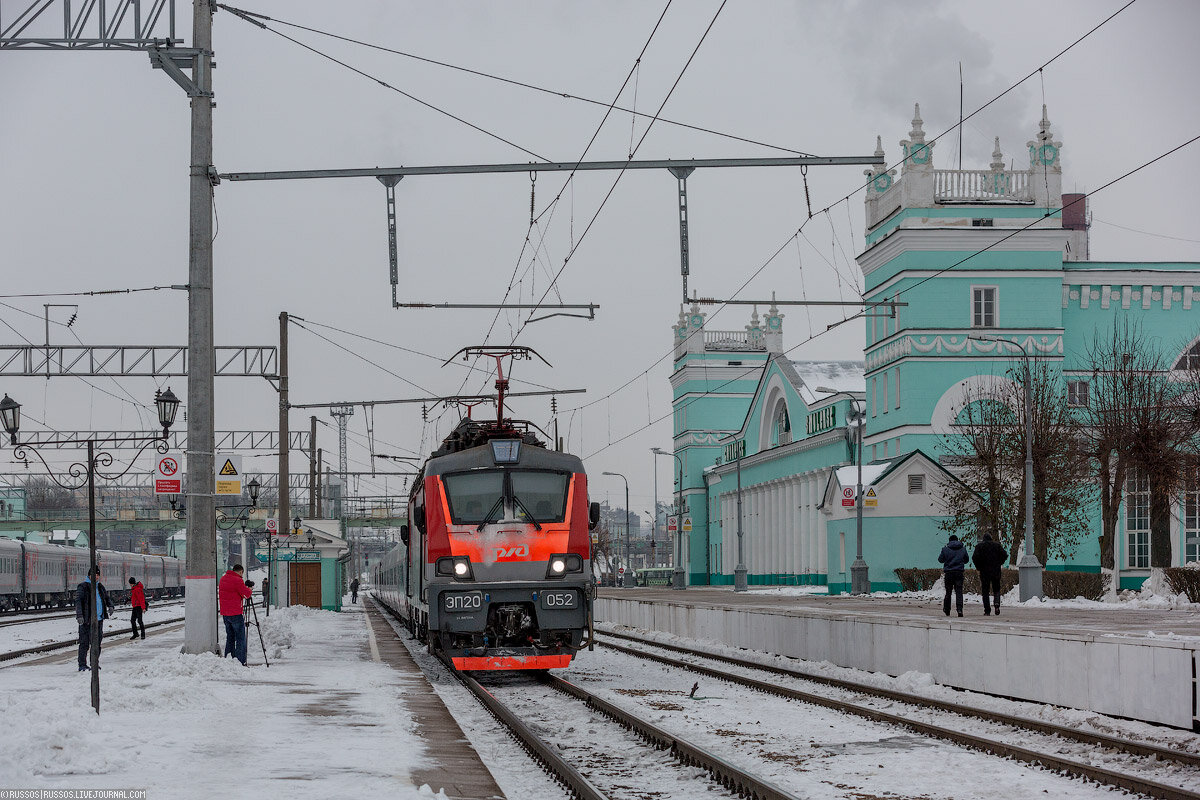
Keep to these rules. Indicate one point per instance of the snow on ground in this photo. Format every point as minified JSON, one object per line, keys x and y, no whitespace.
{"x":812,"y":751}
{"x":923,"y":684}
{"x":1154,"y":595}
{"x":323,"y":720}
{"x":788,"y":591}
{"x":32,"y":634}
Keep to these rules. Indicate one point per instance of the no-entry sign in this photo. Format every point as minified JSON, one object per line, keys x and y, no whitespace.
{"x":168,"y":476}
{"x":848,"y":497}
{"x":272,"y":526}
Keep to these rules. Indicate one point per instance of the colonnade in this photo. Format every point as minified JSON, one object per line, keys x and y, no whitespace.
{"x":783,"y":530}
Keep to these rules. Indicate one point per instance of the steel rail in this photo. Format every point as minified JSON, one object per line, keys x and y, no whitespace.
{"x":732,"y":777}
{"x":1038,"y":726}
{"x":24,"y":617}
{"x":1032,"y":757}
{"x":46,"y":648}
{"x":579,"y":786}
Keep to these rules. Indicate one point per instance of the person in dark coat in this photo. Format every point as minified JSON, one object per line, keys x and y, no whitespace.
{"x":91,"y":598}
{"x":954,"y":561}
{"x":137,"y":598}
{"x":354,"y":591}
{"x":988,"y":557}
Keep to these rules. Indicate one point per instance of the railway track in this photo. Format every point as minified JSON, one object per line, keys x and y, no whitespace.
{"x":27,"y":617}
{"x":608,"y":777}
{"x":52,"y":646}
{"x":1185,"y":767}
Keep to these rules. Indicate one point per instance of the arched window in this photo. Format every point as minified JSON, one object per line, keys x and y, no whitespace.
{"x":1190,"y":358}
{"x":781,"y":425}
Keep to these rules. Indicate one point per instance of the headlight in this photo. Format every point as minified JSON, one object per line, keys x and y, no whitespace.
{"x":562,"y":563}
{"x":457,"y":567}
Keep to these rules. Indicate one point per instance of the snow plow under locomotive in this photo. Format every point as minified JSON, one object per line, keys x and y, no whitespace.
{"x":494,"y":571}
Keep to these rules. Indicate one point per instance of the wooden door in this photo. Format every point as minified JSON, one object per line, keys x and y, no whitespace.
{"x":305,"y":581}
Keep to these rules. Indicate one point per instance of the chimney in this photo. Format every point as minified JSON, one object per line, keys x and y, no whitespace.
{"x":1075,"y":219}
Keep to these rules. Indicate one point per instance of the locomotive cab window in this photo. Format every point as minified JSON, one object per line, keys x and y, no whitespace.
{"x":473,"y":495}
{"x":493,"y":495}
{"x":540,"y":494}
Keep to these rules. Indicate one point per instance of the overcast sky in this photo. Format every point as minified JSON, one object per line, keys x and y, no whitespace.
{"x":94,"y":189}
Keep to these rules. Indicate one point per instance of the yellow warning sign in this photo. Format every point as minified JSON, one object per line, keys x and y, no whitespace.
{"x":229,"y":476}
{"x":870,"y":499}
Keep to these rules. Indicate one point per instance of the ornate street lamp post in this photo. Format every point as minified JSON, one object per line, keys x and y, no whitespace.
{"x":79,"y":475}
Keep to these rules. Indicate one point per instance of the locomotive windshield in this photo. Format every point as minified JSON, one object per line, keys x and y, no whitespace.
{"x":485,"y":496}
{"x":473,"y":495}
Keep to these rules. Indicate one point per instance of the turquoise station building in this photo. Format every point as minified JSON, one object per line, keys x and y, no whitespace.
{"x":995,"y":252}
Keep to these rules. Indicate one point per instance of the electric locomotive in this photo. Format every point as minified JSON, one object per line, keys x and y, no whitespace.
{"x":495,"y":571}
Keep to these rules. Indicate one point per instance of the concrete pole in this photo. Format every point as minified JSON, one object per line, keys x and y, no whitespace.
{"x":285,"y":504}
{"x":200,"y":609}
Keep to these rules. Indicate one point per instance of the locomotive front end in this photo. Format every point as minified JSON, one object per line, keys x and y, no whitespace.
{"x":508,"y":556}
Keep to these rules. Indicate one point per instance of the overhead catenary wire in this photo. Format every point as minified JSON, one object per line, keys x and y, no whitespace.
{"x":1015,"y":231}
{"x":568,"y":182}
{"x":862,"y":186}
{"x":247,"y":16}
{"x":524,"y":85}
{"x":641,"y":141}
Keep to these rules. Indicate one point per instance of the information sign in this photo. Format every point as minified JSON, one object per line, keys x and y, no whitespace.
{"x":168,"y":477}
{"x":229,"y":474}
{"x":687,"y":524}
{"x":848,"y":497}
{"x":870,"y":499}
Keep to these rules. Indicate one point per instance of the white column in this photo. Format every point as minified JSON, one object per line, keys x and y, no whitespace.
{"x":820,"y":546}
{"x":804,"y":526}
{"x":816,"y":517}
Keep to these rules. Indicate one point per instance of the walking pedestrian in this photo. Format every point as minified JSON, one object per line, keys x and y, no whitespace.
{"x":91,"y":598}
{"x":137,"y":598}
{"x":988,"y":557}
{"x":954,"y":561}
{"x":354,"y":590}
{"x":231,"y":592}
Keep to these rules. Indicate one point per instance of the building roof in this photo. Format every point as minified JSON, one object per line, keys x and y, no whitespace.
{"x":845,"y":376}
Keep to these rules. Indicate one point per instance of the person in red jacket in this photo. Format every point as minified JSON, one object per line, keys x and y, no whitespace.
{"x":232,"y":591}
{"x":137,"y":597}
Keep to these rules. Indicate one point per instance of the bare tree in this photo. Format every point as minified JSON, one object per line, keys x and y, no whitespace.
{"x":43,"y":495}
{"x":982,"y":499}
{"x":987,"y":453}
{"x":1139,"y":416}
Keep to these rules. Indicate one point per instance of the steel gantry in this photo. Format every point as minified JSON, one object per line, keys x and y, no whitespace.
{"x":680,"y":168}
{"x":99,"y":361}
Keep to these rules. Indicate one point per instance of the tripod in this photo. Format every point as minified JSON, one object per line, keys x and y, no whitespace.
{"x":249,"y":603}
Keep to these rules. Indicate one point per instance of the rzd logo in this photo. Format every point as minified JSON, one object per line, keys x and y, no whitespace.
{"x":517,"y":551}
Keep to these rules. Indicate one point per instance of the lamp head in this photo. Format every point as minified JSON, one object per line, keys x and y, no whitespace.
{"x":10,"y":413}
{"x":168,"y":406}
{"x":252,"y":487}
{"x":659,"y":451}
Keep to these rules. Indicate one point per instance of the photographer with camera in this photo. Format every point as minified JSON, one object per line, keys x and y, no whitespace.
{"x":231,"y":592}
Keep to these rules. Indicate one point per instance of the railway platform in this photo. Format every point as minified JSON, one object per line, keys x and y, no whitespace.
{"x":343,"y":709}
{"x":1134,"y":662}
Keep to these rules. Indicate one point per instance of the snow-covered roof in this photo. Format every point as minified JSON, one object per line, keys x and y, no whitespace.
{"x":845,"y":376}
{"x":848,"y":476}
